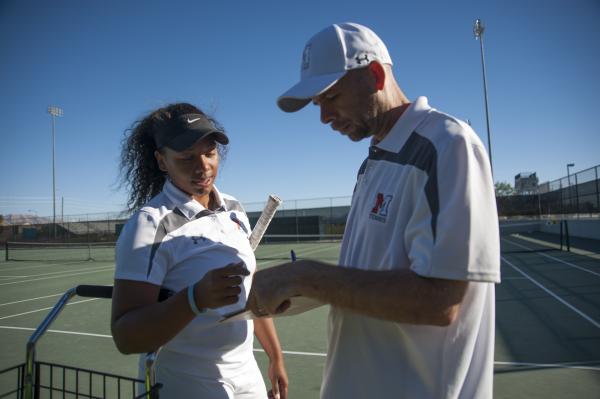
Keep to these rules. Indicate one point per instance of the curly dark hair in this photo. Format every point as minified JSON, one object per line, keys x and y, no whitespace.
{"x":139,"y":170}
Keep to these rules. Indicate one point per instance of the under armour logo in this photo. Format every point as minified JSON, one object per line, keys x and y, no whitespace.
{"x":306,"y":57}
{"x":196,"y":239}
{"x":360,"y":60}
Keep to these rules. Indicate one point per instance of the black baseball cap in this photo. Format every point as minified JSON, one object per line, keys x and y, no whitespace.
{"x":182,"y":132}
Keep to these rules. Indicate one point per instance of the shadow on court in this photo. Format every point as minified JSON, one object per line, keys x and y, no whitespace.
{"x":548,"y":319}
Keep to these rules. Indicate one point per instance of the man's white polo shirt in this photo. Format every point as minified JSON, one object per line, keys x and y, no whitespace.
{"x":424,"y":201}
{"x":172,"y":242}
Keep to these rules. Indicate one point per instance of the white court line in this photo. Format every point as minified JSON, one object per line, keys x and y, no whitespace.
{"x":544,"y":365}
{"x":10,"y":277}
{"x":30,"y":299}
{"x":60,"y":272}
{"x":555,"y":259}
{"x":66,"y":275}
{"x":295,"y":353}
{"x":57,"y":331}
{"x":549,"y":365}
{"x":43,"y":265}
{"x":48,"y":308}
{"x":573,"y":308}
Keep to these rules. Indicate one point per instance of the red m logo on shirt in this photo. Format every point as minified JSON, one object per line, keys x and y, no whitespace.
{"x":382,"y":204}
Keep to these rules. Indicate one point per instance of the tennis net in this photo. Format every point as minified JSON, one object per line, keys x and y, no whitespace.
{"x":47,"y":252}
{"x":544,"y":235}
{"x":278,"y":247}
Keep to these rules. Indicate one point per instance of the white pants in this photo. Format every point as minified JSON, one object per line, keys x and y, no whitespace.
{"x":243,"y":383}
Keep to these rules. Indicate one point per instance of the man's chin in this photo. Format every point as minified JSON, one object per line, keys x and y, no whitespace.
{"x":357,"y":136}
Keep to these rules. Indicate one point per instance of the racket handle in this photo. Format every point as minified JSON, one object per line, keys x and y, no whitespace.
{"x":263,"y":221}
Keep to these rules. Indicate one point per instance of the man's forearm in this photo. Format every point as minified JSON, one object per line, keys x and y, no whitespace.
{"x":395,"y":295}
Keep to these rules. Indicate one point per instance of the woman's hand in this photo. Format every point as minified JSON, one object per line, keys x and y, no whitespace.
{"x":279,"y":379}
{"x":220,"y":287}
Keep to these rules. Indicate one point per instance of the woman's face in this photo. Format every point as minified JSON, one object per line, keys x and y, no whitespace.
{"x":193,"y":170}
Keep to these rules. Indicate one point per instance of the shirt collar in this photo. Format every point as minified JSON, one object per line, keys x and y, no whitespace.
{"x":188,"y":206}
{"x":405,"y":125}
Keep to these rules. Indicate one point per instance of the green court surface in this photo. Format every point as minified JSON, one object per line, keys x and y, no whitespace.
{"x":547,"y":324}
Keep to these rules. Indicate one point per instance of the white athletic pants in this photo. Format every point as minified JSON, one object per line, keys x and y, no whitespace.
{"x":243,"y":383}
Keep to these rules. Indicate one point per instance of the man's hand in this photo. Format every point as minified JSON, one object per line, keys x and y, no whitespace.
{"x":273,"y":287}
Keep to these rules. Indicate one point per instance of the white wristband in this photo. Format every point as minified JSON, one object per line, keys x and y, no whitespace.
{"x":192,"y":300}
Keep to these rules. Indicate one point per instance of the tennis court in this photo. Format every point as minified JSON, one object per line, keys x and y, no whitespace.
{"x":547,"y":328}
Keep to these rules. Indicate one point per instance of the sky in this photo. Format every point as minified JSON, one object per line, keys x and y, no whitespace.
{"x":109,"y":63}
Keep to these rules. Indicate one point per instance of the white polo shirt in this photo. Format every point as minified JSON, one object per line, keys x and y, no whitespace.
{"x":424,"y":201}
{"x":172,"y":242}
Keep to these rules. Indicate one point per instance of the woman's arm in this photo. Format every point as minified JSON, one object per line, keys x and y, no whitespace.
{"x":139,"y":323}
{"x":264,"y":329}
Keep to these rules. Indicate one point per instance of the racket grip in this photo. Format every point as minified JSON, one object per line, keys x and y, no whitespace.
{"x":264,"y":220}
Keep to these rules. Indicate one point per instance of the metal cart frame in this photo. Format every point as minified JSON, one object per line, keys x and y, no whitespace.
{"x":29,"y":382}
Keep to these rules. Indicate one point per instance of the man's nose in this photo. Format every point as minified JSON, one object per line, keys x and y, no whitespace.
{"x":327,"y":114}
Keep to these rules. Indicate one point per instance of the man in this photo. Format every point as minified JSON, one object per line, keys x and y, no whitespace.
{"x":412,"y":300}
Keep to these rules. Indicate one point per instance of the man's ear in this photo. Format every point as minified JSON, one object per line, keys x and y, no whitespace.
{"x":379,"y":73}
{"x":160,"y":160}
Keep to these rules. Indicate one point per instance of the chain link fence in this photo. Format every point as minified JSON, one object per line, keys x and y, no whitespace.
{"x":575,"y":195}
{"x":307,"y":216}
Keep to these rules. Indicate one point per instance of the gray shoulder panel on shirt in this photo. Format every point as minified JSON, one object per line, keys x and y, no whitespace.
{"x":169,"y":223}
{"x":233,"y":205}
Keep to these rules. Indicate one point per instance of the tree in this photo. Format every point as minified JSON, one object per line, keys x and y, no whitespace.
{"x":503,"y":189}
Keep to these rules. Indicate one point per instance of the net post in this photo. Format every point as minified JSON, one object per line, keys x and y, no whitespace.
{"x":6,"y":251}
{"x":567,"y":236}
{"x":89,"y":248}
{"x":561,"y":235}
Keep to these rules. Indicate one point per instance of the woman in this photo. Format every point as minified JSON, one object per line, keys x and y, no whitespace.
{"x":187,"y":237}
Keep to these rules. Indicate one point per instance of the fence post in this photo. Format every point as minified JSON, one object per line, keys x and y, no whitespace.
{"x":597,"y":191}
{"x":562,"y":205}
{"x":330,"y":228}
{"x":297,"y":227}
{"x":576,"y":197}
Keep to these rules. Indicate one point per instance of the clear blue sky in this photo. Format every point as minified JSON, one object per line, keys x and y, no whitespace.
{"x":107,"y":63}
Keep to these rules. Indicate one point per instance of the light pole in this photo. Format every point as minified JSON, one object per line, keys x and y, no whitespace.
{"x":478,"y":29}
{"x":54,"y":111}
{"x":569,"y":166}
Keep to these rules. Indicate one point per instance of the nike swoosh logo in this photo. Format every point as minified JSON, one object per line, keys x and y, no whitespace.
{"x":192,"y":120}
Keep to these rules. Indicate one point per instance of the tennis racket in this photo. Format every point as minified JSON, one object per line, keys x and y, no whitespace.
{"x":263,"y":221}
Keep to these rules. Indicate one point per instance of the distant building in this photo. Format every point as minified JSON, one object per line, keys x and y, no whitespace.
{"x":526,"y":183}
